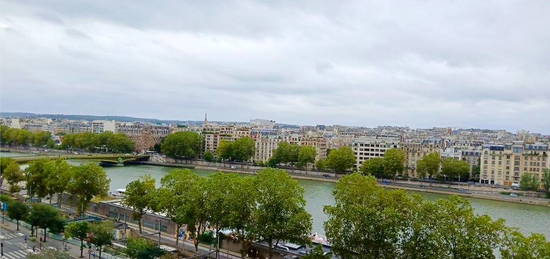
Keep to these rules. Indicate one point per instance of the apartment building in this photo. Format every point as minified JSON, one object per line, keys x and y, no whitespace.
{"x":505,"y":164}
{"x":416,"y":151}
{"x":100,"y":126}
{"x":369,"y":147}
{"x":264,"y":147}
{"x":144,"y":135}
{"x":319,"y":142}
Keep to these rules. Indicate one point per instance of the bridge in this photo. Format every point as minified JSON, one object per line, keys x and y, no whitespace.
{"x":107,"y":158}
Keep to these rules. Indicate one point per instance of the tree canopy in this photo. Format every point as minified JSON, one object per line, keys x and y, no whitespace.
{"x":279,"y":212}
{"x":374,"y":167}
{"x":428,"y":166}
{"x":141,"y":248}
{"x":78,"y":230}
{"x":394,"y":162}
{"x":529,"y":182}
{"x":368,"y":221}
{"x":106,"y":141}
{"x":341,"y":160}
{"x":138,"y":196}
{"x":87,"y":181}
{"x":241,"y":149}
{"x":23,"y":137}
{"x":455,"y":169}
{"x":186,"y":145}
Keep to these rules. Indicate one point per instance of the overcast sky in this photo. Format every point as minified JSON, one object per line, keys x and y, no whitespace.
{"x":453,"y":63}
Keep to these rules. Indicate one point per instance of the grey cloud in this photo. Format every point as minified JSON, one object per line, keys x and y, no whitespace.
{"x":417,"y":63}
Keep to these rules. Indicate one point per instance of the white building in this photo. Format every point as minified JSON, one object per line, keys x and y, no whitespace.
{"x":100,"y":126}
{"x":366,"y":148}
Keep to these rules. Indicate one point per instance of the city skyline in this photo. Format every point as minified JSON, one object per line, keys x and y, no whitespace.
{"x":123,"y":118}
{"x":419,"y":64}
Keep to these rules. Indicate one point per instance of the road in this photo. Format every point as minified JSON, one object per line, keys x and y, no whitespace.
{"x":14,"y":245}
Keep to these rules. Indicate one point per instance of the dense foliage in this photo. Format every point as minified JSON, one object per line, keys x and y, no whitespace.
{"x":340,"y":160}
{"x":368,"y":221}
{"x":529,"y":182}
{"x":429,"y":166}
{"x":292,"y":154}
{"x":22,"y":137}
{"x":241,"y":149}
{"x":269,"y":206}
{"x":102,"y":142}
{"x":138,"y":197}
{"x":141,"y":248}
{"x":455,"y":169}
{"x":186,"y":145}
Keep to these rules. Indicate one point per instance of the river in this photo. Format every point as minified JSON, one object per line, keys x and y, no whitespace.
{"x":527,"y":218}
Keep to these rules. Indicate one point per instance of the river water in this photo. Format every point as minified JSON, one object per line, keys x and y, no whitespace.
{"x":527,"y":218}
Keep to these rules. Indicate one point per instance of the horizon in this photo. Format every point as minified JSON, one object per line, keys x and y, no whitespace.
{"x":284,"y":123}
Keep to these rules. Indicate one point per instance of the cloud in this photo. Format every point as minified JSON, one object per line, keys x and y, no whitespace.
{"x":417,"y":63}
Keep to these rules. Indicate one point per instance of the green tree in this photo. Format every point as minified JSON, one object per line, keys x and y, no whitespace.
{"x":546,"y":181}
{"x":42,"y":139}
{"x":428,"y":166}
{"x":186,"y":145}
{"x":241,"y":200}
{"x":279,"y":212}
{"x":317,"y":253}
{"x":243,"y":149}
{"x":374,"y":167}
{"x":519,"y":246}
{"x":18,"y":210}
{"x":87,"y":181}
{"x":340,"y":160}
{"x":529,"y":182}
{"x":36,"y":177}
{"x":181,"y":198}
{"x":138,"y":197}
{"x":225,"y":150}
{"x":78,"y":230}
{"x":394,"y":162}
{"x":45,"y":217}
{"x":218,"y":188}
{"x":449,"y":228}
{"x":141,"y":248}
{"x":285,"y":153}
{"x":321,"y":164}
{"x":13,"y":175}
{"x":455,"y":169}
{"x":4,"y":163}
{"x":209,"y":156}
{"x":366,"y":220}
{"x":306,"y":156}
{"x":58,"y":176}
{"x":101,"y":234}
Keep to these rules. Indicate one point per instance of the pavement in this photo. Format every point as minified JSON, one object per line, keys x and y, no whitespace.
{"x":14,"y":246}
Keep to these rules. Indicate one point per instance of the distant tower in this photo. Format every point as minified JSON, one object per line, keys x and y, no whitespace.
{"x":205,"y":119}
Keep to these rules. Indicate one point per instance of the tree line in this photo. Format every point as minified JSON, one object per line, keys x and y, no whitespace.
{"x":22,"y":137}
{"x":368,"y":221}
{"x":269,"y":206}
{"x":46,"y":178}
{"x":98,"y":142}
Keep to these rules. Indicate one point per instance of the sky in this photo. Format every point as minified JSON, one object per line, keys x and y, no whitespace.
{"x":441,"y":63}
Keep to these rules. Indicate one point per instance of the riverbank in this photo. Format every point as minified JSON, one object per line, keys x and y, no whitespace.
{"x":480,"y":192}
